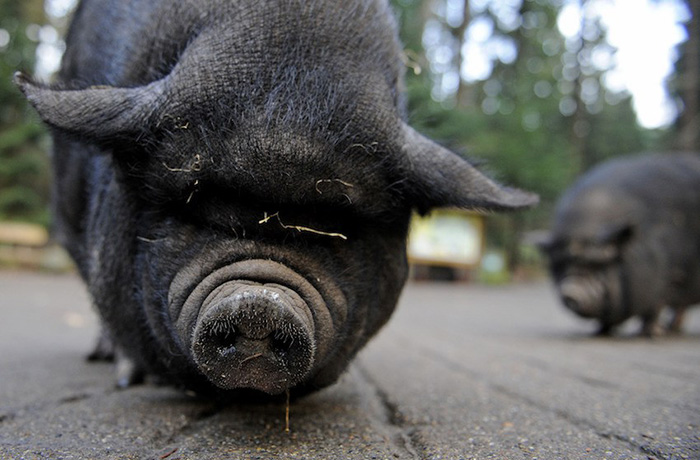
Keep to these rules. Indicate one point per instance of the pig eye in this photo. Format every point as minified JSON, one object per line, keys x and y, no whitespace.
{"x":248,"y":218}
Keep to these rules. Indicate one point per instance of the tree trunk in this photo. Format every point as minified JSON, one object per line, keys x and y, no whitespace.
{"x":465,"y":92}
{"x":689,"y":120}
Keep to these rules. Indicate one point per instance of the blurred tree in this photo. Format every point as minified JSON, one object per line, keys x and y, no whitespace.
{"x":602,"y":124}
{"x":527,"y":140}
{"x":23,"y":161}
{"x":686,"y":84}
{"x":537,"y":110}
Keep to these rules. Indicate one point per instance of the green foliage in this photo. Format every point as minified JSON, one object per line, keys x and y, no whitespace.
{"x":538,"y":121}
{"x":24,"y":168}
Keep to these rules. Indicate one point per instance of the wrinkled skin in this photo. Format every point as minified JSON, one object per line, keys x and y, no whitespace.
{"x":234,"y":180}
{"x":625,"y":241}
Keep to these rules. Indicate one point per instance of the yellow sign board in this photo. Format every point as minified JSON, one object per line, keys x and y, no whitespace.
{"x":446,"y":237}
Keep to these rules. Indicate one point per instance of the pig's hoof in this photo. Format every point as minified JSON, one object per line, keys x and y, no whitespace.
{"x":652,"y":330}
{"x":675,"y":326}
{"x":605,"y":330}
{"x":128,"y":372}
{"x":104,"y":348}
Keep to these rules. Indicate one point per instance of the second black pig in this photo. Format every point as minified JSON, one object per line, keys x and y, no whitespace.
{"x":625,"y":241}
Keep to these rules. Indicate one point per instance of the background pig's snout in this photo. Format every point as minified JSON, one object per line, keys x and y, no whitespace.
{"x":582,"y":295}
{"x":571,"y":303}
{"x":251,"y":335}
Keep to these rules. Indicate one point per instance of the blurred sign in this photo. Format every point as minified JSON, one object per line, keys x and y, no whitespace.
{"x":23,"y":234}
{"x":446,"y":237}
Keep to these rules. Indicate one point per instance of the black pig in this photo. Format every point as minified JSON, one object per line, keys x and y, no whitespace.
{"x":626,"y":241}
{"x":234,"y":180}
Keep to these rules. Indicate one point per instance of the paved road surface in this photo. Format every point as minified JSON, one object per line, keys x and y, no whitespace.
{"x":461,"y":372}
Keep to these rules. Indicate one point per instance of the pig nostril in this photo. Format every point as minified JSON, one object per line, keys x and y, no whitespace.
{"x":571,"y":303}
{"x":224,"y":342}
{"x":222,"y":335}
{"x":281,"y":345}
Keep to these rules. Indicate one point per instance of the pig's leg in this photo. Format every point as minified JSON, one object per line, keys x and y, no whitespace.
{"x":104,"y":347}
{"x":651,"y":326}
{"x":604,"y":330}
{"x":676,"y":323}
{"x":128,"y":372}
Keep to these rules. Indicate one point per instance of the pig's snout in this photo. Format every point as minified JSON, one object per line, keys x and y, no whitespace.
{"x":581,"y":295}
{"x":251,"y":335}
{"x":571,"y":302}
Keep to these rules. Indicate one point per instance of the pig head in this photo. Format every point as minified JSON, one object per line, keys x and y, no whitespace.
{"x":235,"y":182}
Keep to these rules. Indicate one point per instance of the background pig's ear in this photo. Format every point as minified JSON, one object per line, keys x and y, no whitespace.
{"x":545,"y":243}
{"x":98,"y":113}
{"x":615,"y":233}
{"x":439,"y":178}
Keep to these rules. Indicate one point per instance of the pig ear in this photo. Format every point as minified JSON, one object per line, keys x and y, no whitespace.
{"x":545,"y":243}
{"x":440,"y":178}
{"x":615,"y":233}
{"x":99,"y":112}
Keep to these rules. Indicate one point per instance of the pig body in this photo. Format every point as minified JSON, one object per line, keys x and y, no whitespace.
{"x":625,"y":241}
{"x":234,"y":180}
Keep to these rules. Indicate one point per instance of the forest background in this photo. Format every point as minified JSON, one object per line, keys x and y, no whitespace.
{"x":542,"y":113}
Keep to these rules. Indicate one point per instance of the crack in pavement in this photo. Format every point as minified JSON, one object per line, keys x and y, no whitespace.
{"x":17,"y":412}
{"x":545,"y":366}
{"x":403,"y":434}
{"x":568,"y":417}
{"x":193,"y":421}
{"x":655,"y":453}
{"x":74,"y":398}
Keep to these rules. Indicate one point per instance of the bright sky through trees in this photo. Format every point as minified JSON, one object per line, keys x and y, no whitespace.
{"x":644,"y":32}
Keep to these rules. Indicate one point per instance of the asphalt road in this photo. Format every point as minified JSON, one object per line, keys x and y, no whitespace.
{"x":461,"y":372}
